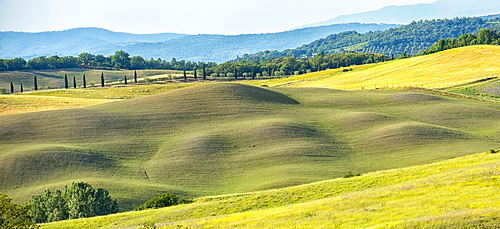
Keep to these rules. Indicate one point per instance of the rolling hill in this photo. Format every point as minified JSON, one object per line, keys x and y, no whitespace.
{"x":455,"y":67}
{"x":457,"y":193}
{"x":222,"y":138}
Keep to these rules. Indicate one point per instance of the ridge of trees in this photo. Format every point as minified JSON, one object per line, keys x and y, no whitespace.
{"x":119,"y":60}
{"x":483,"y":37}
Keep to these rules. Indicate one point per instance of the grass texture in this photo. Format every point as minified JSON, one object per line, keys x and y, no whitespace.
{"x":223,"y":138}
{"x":456,"y":193}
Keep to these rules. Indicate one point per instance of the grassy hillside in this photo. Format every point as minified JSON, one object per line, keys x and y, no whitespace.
{"x":220,"y":138}
{"x":14,"y":104}
{"x":440,"y":70}
{"x":457,"y":193}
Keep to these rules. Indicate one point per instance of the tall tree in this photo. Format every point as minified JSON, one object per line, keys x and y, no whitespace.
{"x":235,"y":73}
{"x":102,"y":79}
{"x":35,"y":83}
{"x":195,"y":74}
{"x":84,"y":81}
{"x":21,"y":87}
{"x":66,"y":81}
{"x":185,"y":75}
{"x":204,"y":72}
{"x":125,"y":79}
{"x":11,"y":87}
{"x":74,"y":81}
{"x":135,"y":76}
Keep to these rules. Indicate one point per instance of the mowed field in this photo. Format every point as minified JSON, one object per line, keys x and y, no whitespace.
{"x":223,"y":138}
{"x":457,"y":193}
{"x":445,"y":69}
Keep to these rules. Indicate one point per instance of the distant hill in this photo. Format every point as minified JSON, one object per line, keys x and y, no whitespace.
{"x":217,"y":48}
{"x":412,"y":38}
{"x":405,"y":14}
{"x":69,"y":42}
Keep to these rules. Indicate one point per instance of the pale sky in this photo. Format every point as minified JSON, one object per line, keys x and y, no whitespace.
{"x":179,"y":16}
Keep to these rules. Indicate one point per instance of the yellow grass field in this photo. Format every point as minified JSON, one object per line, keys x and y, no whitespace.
{"x":441,"y":70}
{"x":15,"y":104}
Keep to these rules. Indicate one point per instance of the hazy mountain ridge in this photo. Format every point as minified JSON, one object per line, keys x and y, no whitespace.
{"x":219,"y":48}
{"x":69,"y":42}
{"x":408,"y":13}
{"x":166,"y":46}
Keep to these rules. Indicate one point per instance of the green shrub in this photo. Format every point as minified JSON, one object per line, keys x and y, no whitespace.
{"x":494,"y":151}
{"x":351,"y":174}
{"x":163,"y":200}
{"x":79,"y":200}
{"x":14,"y":215}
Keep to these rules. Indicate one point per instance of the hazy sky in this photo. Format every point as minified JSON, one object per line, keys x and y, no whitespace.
{"x":179,"y":16}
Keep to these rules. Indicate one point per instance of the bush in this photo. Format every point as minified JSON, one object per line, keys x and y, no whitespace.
{"x":14,"y":215}
{"x":494,"y":151}
{"x":351,"y":174}
{"x":163,"y":200}
{"x":71,"y":202}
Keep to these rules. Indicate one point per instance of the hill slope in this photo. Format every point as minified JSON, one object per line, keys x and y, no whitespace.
{"x":458,"y":193}
{"x":440,"y":70}
{"x":225,"y":138}
{"x":408,"y":13}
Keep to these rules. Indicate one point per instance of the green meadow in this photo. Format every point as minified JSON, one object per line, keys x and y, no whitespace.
{"x":223,"y":138}
{"x":456,"y":193}
{"x":284,"y":144}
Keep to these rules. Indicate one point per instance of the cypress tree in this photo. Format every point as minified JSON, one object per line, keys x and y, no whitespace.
{"x":235,"y":73}
{"x":253,"y":72}
{"x":102,"y":79}
{"x":195,"y":75}
{"x":84,"y":81}
{"x":35,"y":83}
{"x":135,"y":76}
{"x":185,"y":76}
{"x":22,"y":90}
{"x":125,"y":80}
{"x":204,"y":73}
{"x":74,"y":81}
{"x":11,"y":87}
{"x":66,"y":81}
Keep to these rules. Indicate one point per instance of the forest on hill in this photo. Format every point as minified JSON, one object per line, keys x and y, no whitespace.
{"x":413,"y":39}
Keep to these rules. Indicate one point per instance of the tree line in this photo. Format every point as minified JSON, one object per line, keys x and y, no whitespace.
{"x":119,"y":60}
{"x":483,"y":37}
